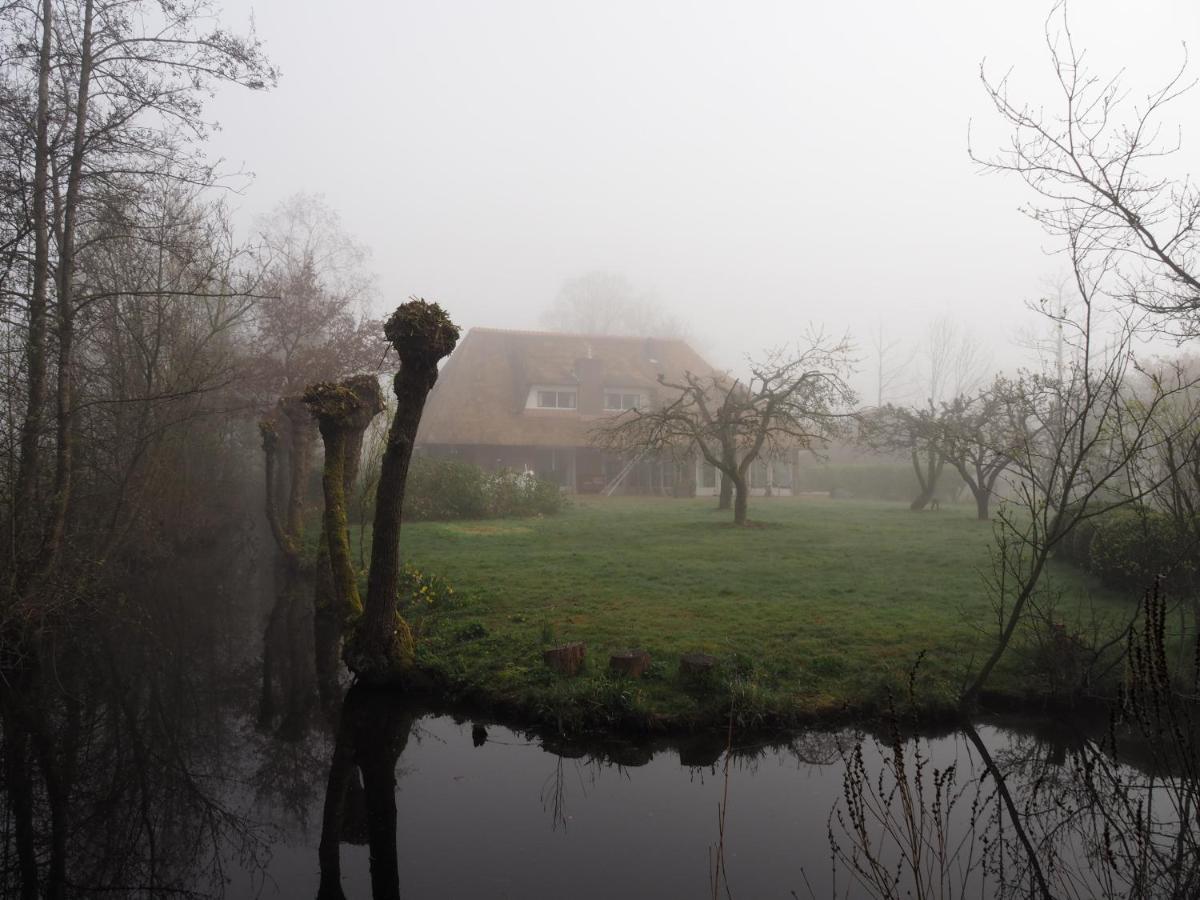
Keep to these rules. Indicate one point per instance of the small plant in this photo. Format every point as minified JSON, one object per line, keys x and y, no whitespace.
{"x":424,"y":593}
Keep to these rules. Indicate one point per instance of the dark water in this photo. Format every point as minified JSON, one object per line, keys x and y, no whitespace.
{"x":507,"y":817}
{"x":511,"y":819}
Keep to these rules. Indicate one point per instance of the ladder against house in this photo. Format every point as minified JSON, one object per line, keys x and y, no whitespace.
{"x":616,"y":482}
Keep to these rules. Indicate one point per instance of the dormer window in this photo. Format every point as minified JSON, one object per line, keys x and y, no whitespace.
{"x":615,"y":401}
{"x":556,"y":399}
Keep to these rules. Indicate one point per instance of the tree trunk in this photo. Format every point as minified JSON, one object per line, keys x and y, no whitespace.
{"x":19,"y":787}
{"x":928,"y":479}
{"x":64,"y":456}
{"x":741,"y":500}
{"x":298,"y":631}
{"x":982,"y":501}
{"x":344,"y":412}
{"x":327,"y":629}
{"x":728,"y":464}
{"x":49,"y":761}
{"x":337,"y":786}
{"x":347,"y":602}
{"x":31,"y":429}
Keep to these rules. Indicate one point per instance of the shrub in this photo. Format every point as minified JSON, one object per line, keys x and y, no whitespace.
{"x":440,"y":489}
{"x":1132,"y":546}
{"x":444,"y":489}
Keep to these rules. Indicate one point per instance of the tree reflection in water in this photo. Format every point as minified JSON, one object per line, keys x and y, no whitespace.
{"x":126,"y":718}
{"x":1114,"y":814}
{"x":373,"y":731}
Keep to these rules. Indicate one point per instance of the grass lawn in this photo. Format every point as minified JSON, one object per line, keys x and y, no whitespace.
{"x":821,"y":608}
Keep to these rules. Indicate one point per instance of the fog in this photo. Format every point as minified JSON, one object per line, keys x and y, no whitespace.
{"x":756,"y":167}
{"x":327,"y":564}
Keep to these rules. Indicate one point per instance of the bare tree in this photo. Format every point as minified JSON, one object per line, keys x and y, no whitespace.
{"x":1093,"y":161}
{"x":789,"y":402}
{"x":1082,"y":437}
{"x":951,"y":366}
{"x":311,"y":323}
{"x":1131,"y":241}
{"x":980,"y":436}
{"x":891,"y":365}
{"x":607,"y":303}
{"x":103,"y":108}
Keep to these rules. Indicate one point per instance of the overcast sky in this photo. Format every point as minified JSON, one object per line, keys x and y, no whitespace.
{"x":758,"y":166}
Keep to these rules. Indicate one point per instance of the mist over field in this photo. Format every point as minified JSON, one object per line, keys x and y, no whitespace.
{"x":648,"y":449}
{"x":785,"y":164}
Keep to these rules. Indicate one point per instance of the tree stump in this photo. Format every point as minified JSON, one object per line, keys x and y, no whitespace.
{"x":696,"y":667}
{"x":567,"y":659}
{"x":631,"y":663}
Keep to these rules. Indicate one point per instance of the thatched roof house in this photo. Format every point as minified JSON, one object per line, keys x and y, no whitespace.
{"x":531,"y":399}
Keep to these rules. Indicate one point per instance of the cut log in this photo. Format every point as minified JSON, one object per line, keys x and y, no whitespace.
{"x":695,"y":667}
{"x":567,"y":659}
{"x":631,"y":663}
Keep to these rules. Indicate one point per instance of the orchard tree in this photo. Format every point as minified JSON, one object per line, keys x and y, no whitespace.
{"x":949,"y":364}
{"x":976,"y":434}
{"x":790,"y":401}
{"x":981,"y":436}
{"x":914,"y":431}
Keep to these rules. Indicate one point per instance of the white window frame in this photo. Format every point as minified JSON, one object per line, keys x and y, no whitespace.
{"x":564,"y":394}
{"x":623,"y":396}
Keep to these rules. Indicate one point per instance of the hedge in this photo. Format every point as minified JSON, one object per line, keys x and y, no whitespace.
{"x":1127,"y":547}
{"x":448,"y":489}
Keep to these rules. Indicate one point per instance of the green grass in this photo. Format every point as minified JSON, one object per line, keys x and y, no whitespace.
{"x":820,"y":609}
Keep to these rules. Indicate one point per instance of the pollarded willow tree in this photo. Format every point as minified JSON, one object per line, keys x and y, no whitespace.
{"x":287,"y":438}
{"x":380,"y":647}
{"x":343,"y":412}
{"x":791,"y":401}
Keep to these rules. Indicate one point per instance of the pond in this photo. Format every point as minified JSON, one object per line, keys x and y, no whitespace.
{"x":482,"y":810}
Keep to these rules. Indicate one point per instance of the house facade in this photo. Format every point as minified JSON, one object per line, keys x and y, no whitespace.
{"x":528,"y":400}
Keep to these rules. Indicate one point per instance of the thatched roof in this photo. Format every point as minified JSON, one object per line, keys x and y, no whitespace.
{"x":481,"y":393}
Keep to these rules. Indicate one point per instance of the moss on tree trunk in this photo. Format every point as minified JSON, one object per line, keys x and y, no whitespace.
{"x":343,"y":411}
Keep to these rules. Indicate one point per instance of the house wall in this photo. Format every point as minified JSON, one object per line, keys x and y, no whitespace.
{"x":774,"y":478}
{"x":585,"y":470}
